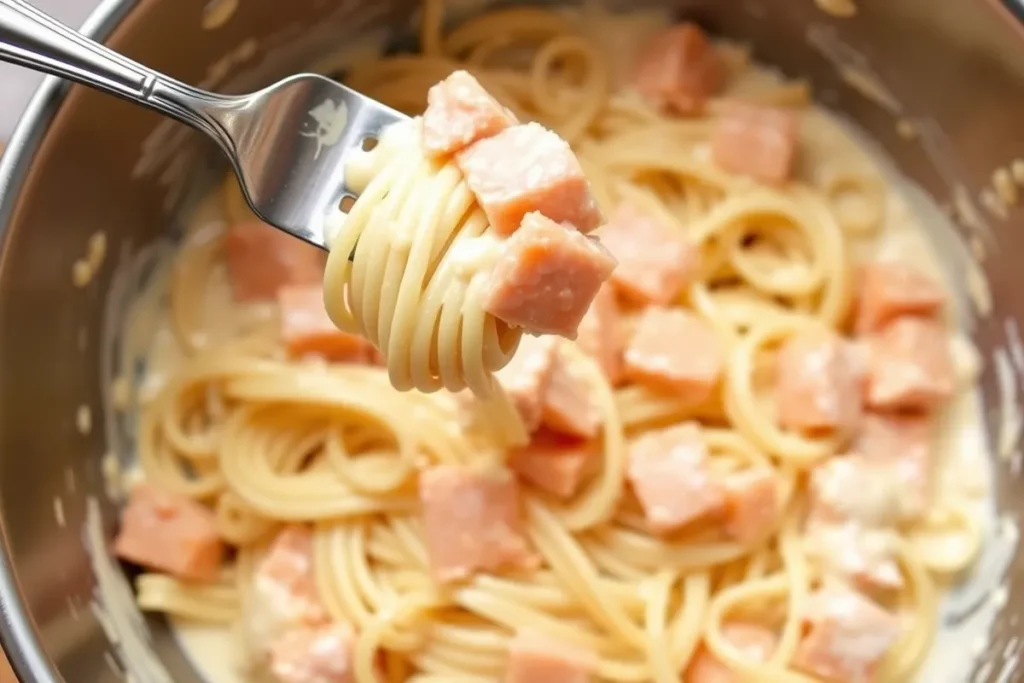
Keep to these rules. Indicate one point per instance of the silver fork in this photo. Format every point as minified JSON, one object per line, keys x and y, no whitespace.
{"x":287,"y":143}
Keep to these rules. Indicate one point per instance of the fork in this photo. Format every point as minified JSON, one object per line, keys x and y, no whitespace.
{"x":286,"y":143}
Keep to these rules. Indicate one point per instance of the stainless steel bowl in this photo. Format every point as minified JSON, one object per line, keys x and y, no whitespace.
{"x":81,"y":163}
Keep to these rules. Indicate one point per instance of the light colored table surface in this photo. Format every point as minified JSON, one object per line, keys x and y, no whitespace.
{"x":17,"y":84}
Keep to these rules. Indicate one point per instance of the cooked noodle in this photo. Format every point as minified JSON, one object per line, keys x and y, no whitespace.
{"x":266,"y":441}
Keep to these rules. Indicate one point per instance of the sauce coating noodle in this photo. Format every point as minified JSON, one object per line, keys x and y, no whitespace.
{"x":266,"y":441}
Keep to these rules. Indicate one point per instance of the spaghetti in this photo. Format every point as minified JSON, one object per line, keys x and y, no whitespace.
{"x":265,"y":441}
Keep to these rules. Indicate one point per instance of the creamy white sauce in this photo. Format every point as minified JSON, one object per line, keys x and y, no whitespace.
{"x":1009,"y":430}
{"x":58,"y":511}
{"x":964,"y":469}
{"x":213,"y":650}
{"x":967,"y":612}
{"x":83,"y":420}
{"x":837,"y":8}
{"x":84,"y":269}
{"x":969,"y":609}
{"x":216,"y":13}
{"x":114,"y":607}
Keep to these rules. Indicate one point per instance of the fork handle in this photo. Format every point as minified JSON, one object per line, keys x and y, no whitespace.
{"x":34,"y":39}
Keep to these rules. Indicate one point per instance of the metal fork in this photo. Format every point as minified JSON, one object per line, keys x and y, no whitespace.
{"x":287,"y":143}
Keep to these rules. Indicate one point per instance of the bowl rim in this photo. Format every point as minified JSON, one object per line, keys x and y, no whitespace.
{"x":17,"y":633}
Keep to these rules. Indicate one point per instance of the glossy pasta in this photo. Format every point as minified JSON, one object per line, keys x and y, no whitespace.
{"x":266,"y":441}
{"x":410,"y":288}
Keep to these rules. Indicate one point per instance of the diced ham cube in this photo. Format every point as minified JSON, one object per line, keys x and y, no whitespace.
{"x":910,"y":365}
{"x":314,"y":655}
{"x":600,"y":334}
{"x":285,"y":576}
{"x":855,"y":504}
{"x":534,"y":658}
{"x":527,"y":376}
{"x":679,"y":70}
{"x":903,"y":444}
{"x":460,"y":112}
{"x":555,"y":463}
{"x":473,"y":522}
{"x":547,"y":277}
{"x":852,"y":487}
{"x":261,"y":259}
{"x":674,"y":350}
{"x":528,"y":168}
{"x":819,"y":385}
{"x":755,"y":642}
{"x":751,"y":504}
{"x":569,"y":405}
{"x":655,"y":262}
{"x":905,"y":440}
{"x":866,"y":556}
{"x":886,"y":437}
{"x":849,"y":636}
{"x":669,"y":474}
{"x":888,"y":290}
{"x":306,"y":329}
{"x":756,"y":141}
{"x":284,"y":592}
{"x":169,"y":533}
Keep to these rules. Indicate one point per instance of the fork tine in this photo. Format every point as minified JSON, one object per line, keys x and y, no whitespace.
{"x":292,"y":141}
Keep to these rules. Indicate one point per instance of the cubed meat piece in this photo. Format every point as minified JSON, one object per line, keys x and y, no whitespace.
{"x":849,"y":636}
{"x":679,"y":69}
{"x":307,"y":330}
{"x":460,"y":112}
{"x":674,"y":350}
{"x":314,"y":655}
{"x":863,"y":555}
{"x":910,"y":365}
{"x":888,"y":290}
{"x":284,"y":579}
{"x":528,"y":168}
{"x":819,"y":385}
{"x":853,"y":487}
{"x":755,"y":642}
{"x":756,"y":141}
{"x":569,"y":404}
{"x":284,"y":595}
{"x":527,"y":376}
{"x":600,"y":334}
{"x":669,"y":473}
{"x":546,"y":277}
{"x":751,"y":504}
{"x":169,"y":533}
{"x":473,"y":522}
{"x":904,"y":444}
{"x":535,"y":658}
{"x":655,"y":262}
{"x":886,"y":437}
{"x":555,"y":463}
{"x":261,"y":259}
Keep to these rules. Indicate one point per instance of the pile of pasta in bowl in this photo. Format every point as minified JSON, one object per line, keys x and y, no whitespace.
{"x":616,"y":371}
